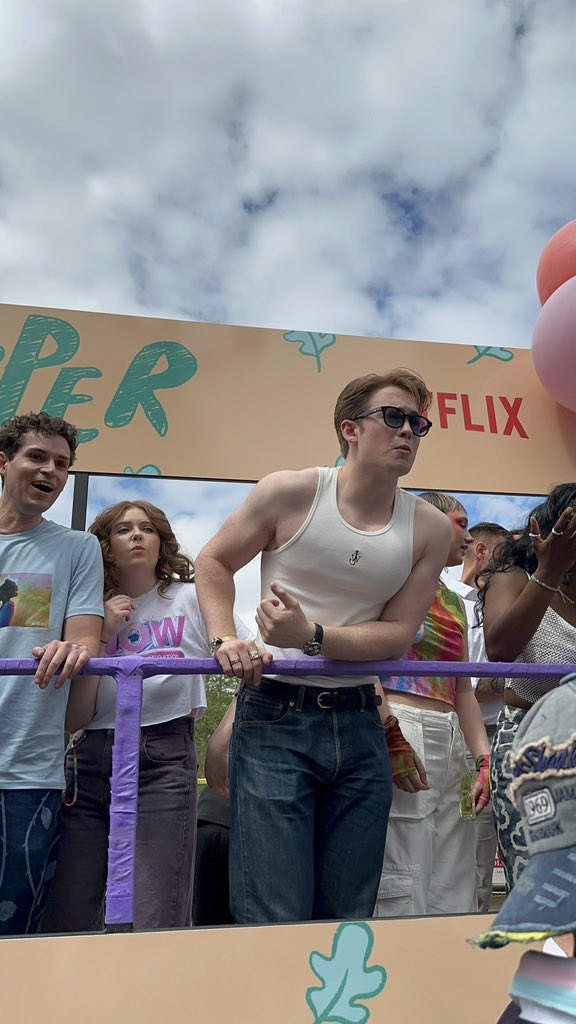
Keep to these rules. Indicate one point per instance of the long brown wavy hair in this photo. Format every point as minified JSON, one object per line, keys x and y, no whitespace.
{"x":172,"y":565}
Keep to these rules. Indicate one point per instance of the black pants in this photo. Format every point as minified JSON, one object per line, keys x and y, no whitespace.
{"x":211,"y":905}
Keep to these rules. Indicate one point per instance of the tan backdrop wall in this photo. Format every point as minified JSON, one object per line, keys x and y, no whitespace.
{"x":260,"y":976}
{"x":199,"y":400}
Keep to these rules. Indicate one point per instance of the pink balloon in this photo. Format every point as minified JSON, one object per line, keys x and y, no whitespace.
{"x":558,"y":261}
{"x":554,"y":345}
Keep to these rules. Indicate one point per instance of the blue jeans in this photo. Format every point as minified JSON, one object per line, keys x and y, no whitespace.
{"x":29,"y":829}
{"x":311,"y":791}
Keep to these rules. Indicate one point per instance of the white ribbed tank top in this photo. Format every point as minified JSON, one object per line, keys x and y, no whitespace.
{"x":340,"y":575}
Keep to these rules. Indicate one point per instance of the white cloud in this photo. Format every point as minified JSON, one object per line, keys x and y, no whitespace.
{"x":391,"y":169}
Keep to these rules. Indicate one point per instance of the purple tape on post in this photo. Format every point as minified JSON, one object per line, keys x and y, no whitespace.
{"x":124,"y":790}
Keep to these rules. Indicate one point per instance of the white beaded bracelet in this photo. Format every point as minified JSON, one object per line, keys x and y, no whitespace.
{"x":546,"y":586}
{"x":553,"y":590}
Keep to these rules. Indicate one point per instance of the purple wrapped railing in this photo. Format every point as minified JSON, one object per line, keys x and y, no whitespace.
{"x":130,"y":672}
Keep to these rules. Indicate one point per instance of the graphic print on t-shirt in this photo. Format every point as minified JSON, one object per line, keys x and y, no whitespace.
{"x":25,"y":599}
{"x":154,"y":638}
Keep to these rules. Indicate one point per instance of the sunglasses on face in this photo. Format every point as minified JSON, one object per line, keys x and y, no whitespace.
{"x":395,"y":418}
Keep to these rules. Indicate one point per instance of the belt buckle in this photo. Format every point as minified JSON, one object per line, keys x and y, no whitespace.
{"x":331,"y":696}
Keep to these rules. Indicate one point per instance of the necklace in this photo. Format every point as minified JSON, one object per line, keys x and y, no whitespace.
{"x":565,"y":598}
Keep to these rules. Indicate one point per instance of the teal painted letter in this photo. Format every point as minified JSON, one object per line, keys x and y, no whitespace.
{"x":25,"y":358}
{"x":140,"y":384}
{"x":62,"y":396}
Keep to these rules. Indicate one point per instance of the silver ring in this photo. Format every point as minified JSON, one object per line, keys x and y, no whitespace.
{"x":254,"y":656}
{"x":533,"y":536}
{"x":557,"y":533}
{"x":235,"y":661}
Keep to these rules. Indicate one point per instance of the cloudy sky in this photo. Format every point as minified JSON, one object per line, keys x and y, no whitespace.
{"x":389,"y":169}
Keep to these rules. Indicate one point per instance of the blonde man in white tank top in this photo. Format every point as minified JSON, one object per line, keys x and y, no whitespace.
{"x":349,"y":570}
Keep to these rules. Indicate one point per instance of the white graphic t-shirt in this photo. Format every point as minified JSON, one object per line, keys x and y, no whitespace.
{"x":169,"y":626}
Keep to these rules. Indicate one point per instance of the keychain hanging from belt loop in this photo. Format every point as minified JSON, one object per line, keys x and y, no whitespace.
{"x":72,"y":749}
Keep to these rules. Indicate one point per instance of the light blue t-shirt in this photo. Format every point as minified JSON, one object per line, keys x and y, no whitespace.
{"x":58,"y":574}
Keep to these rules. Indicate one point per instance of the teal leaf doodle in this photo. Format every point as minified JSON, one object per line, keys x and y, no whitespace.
{"x":143,"y":471}
{"x":311,"y":344}
{"x":503,"y":354}
{"x":346,"y":978}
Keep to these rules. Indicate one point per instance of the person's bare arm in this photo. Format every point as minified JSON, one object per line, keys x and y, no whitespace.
{"x":81,"y":706}
{"x":513,"y":610}
{"x":470,"y":718}
{"x":217,"y":752}
{"x":489,"y":690}
{"x":246,"y":533}
{"x":474,"y":730}
{"x":514,"y":605}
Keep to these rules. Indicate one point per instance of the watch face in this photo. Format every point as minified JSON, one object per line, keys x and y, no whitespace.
{"x":312,"y":649}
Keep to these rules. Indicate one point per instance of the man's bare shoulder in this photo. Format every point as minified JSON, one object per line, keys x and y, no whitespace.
{"x":282,"y":502}
{"x":430,"y":523}
{"x":289,"y":484}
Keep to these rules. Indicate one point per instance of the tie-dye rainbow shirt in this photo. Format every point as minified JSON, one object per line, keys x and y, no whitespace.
{"x":439,"y":638}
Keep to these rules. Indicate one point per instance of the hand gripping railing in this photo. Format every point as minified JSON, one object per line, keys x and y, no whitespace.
{"x":130,"y":672}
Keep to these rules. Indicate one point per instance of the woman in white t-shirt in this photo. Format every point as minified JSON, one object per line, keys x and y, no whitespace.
{"x":151,"y":610}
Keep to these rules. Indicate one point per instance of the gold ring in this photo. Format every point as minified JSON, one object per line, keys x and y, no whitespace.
{"x":254,"y":656}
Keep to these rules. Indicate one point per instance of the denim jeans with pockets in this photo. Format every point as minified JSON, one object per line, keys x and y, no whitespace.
{"x":311,"y":789}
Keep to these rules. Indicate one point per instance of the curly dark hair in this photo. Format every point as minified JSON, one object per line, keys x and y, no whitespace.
{"x":517,"y":549}
{"x":13,"y":432}
{"x":172,"y":565}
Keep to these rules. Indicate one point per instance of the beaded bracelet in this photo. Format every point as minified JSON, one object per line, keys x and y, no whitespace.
{"x":545,"y":586}
{"x":553,"y":590}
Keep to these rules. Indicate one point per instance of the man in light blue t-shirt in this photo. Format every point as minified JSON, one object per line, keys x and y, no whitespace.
{"x":51,"y":587}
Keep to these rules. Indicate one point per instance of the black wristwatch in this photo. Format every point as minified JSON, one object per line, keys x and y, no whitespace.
{"x":313,"y":647}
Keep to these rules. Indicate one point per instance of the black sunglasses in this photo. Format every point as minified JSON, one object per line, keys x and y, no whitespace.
{"x":395,"y":418}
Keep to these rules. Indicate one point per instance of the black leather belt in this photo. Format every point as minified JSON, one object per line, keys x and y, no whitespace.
{"x":313,"y":696}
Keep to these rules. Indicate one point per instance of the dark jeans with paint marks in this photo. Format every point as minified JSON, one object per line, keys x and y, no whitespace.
{"x":29,"y":827}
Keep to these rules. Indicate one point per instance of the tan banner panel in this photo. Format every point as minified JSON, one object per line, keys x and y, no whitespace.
{"x":171,"y":398}
{"x":398,"y":971}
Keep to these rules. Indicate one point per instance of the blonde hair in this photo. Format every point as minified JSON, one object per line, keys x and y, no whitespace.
{"x":445,"y":502}
{"x":172,"y":565}
{"x":357,"y":394}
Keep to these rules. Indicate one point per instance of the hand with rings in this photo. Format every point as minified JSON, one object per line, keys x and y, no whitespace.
{"x":557,"y":553}
{"x":241,"y":659}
